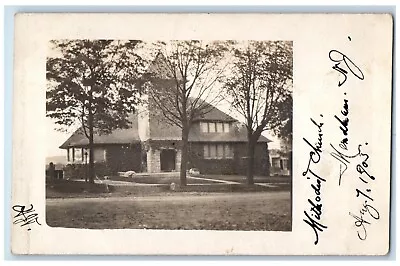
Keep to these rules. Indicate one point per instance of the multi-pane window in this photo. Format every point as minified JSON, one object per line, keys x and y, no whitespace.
{"x":220,"y":127}
{"x":218,"y":151}
{"x":78,"y":154}
{"x":206,"y":151}
{"x":226,"y":127}
{"x":276,"y":162}
{"x":204,"y":126}
{"x":285,"y":164}
{"x":213,"y":151}
{"x":228,"y":152}
{"x":214,"y":127}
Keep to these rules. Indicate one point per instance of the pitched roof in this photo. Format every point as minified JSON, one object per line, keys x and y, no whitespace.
{"x":214,"y":114}
{"x":160,"y":129}
{"x":118,"y":136}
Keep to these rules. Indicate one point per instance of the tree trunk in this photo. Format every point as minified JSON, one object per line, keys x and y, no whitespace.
{"x":250,"y":161}
{"x":184,"y":155}
{"x":290,"y":163}
{"x":91,"y":161}
{"x":267,"y":163}
{"x":91,"y":148}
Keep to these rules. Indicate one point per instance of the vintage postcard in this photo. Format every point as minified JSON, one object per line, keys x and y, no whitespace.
{"x":202,"y":134}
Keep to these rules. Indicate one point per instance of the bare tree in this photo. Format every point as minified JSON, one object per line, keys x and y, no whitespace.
{"x":258,"y":87}
{"x":91,"y":83}
{"x":183,"y":75}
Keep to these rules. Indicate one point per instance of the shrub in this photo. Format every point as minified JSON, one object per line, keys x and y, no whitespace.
{"x":80,"y":171}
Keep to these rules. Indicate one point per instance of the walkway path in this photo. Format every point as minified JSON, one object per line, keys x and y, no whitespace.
{"x":128,"y":183}
{"x":214,"y":180}
{"x":265,"y":184}
{"x":230,"y":182}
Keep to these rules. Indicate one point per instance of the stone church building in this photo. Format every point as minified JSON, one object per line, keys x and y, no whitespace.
{"x":217,"y":145}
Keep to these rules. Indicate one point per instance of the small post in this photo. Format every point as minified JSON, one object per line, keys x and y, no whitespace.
{"x":86,"y":168}
{"x":52,"y":170}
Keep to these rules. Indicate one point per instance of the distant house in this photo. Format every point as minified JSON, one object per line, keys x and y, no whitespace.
{"x":281,"y":159}
{"x":217,"y":145}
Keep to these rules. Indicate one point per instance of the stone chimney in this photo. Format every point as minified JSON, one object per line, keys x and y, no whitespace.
{"x":144,"y":119}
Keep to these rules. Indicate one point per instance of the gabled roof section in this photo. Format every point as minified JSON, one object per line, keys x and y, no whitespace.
{"x":158,"y":66}
{"x":162,"y":129}
{"x":212,"y":113}
{"x":118,"y":136}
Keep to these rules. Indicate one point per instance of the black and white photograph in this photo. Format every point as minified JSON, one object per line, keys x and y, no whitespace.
{"x":201,"y":134}
{"x":179,"y":134}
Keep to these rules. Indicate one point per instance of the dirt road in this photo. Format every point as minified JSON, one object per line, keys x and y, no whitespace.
{"x":210,"y":211}
{"x":181,"y":197}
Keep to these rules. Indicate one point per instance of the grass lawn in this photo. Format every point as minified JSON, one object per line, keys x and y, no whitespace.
{"x":227,"y":211}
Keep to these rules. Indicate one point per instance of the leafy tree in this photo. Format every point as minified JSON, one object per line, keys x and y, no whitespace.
{"x":91,"y":83}
{"x":284,"y":130}
{"x":182,"y":77}
{"x":259,"y":90}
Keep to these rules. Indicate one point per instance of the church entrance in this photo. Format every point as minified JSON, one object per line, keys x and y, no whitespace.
{"x":167,"y":159}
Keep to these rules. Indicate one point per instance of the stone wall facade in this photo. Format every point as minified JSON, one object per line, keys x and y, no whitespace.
{"x":153,"y":160}
{"x":153,"y":155}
